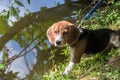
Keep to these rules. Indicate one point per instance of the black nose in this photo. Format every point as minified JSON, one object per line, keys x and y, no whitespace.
{"x":58,"y":42}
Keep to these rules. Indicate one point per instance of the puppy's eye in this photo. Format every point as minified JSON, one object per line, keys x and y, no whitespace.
{"x":65,"y":32}
{"x":55,"y":32}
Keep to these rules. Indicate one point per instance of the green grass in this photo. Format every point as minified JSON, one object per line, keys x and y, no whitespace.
{"x":94,"y":67}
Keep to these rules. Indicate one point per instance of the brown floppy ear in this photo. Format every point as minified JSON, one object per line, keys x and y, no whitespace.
{"x":50,"y":35}
{"x":75,"y":33}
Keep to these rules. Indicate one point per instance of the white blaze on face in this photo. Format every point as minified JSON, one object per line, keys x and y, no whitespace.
{"x":59,"y":41}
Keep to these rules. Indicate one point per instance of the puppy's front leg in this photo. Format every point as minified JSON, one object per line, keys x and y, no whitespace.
{"x":69,"y":68}
{"x":72,"y":63}
{"x":75,"y":54}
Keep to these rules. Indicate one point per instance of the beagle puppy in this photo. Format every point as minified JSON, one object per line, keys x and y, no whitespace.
{"x":81,"y":41}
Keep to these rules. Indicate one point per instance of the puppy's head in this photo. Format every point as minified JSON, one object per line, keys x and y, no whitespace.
{"x":63,"y":32}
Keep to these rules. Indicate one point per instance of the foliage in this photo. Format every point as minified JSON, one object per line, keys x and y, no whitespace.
{"x":13,"y":10}
{"x":94,"y":67}
{"x":4,"y":76}
{"x":1,"y":66}
{"x":102,"y":18}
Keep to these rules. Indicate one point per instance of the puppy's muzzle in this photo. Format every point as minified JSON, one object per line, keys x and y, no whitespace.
{"x":59,"y":41}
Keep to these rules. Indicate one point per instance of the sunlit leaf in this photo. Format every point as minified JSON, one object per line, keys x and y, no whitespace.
{"x":28,"y":1}
{"x":13,"y":12}
{"x":1,"y":66}
{"x":20,"y":3}
{"x":9,"y":0}
{"x":8,"y":14}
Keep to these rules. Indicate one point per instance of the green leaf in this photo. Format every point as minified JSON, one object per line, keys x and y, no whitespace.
{"x":9,"y":1}
{"x":8,"y":14}
{"x":28,"y":1}
{"x":10,"y":11}
{"x":1,"y":66}
{"x":20,"y":3}
{"x":13,"y":12}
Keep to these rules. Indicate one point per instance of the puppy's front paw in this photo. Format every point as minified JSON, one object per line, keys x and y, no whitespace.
{"x":69,"y":68}
{"x":65,"y":72}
